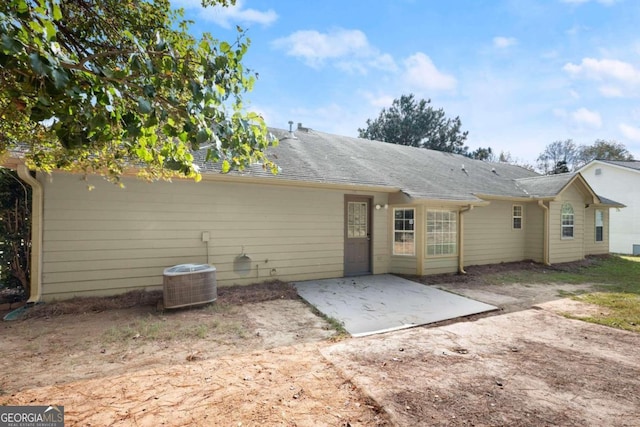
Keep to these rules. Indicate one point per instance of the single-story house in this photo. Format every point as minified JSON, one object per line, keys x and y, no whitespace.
{"x":340,"y":206}
{"x":619,"y":180}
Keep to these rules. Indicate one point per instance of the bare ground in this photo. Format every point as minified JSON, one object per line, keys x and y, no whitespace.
{"x":260,"y":356}
{"x":527,"y":368}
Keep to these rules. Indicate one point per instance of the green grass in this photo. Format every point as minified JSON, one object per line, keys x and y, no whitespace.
{"x":616,"y":277}
{"x":334,"y":323}
{"x":612,"y":274}
{"x":622,"y":310}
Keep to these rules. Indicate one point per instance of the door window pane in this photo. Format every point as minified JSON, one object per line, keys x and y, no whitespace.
{"x":357,"y":219}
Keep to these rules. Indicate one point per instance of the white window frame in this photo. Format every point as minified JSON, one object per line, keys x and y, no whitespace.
{"x":404,"y":232}
{"x":442,"y":234}
{"x":566,"y":216}
{"x":514,"y":217}
{"x":601,"y":226}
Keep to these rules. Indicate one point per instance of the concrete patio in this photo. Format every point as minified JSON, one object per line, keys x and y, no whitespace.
{"x":367,"y":305}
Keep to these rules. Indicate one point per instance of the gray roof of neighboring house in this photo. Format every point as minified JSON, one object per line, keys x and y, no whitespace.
{"x":631,"y":164}
{"x":314,"y":156}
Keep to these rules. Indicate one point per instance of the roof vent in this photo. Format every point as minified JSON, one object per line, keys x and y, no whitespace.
{"x":598,"y":171}
{"x":303,"y":129}
{"x":291,"y":134}
{"x":494,"y":170}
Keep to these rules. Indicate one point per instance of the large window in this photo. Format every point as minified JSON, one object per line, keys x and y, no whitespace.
{"x":404,"y":231}
{"x":442,"y":232}
{"x":599,"y":225}
{"x":517,"y":217}
{"x":567,"y":221}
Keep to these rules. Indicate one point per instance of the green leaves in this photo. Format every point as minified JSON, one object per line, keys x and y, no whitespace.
{"x":144,"y":106}
{"x":112,"y":78}
{"x":38,"y":65}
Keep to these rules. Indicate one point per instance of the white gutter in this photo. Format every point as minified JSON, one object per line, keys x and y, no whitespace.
{"x":545,"y":249}
{"x":37,"y":204}
{"x":461,"y":240}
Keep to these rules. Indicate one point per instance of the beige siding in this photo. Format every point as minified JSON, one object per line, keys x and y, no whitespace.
{"x":572,"y":249}
{"x":534,"y":232}
{"x":111,"y":240}
{"x":591,"y":247}
{"x":440,"y":265}
{"x":380,"y":240}
{"x":403,"y":265}
{"x":489,"y":237}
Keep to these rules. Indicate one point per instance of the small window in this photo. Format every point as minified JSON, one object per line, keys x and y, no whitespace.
{"x":517,"y":217}
{"x":404,"y":231}
{"x":442,"y":233}
{"x":567,"y":221}
{"x":599,"y":226}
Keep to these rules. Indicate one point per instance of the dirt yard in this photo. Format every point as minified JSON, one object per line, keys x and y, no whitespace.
{"x":249,"y":359}
{"x":527,"y":368}
{"x":260,"y":356}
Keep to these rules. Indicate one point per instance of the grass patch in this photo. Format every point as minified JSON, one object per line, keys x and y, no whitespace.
{"x":334,"y":323}
{"x":616,"y":277}
{"x":154,"y":328}
{"x":623,"y":310}
{"x":612,"y":273}
{"x":568,"y":294}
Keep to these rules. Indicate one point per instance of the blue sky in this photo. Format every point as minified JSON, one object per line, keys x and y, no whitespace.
{"x":520,"y":74}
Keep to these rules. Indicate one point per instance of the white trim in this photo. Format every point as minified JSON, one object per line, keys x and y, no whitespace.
{"x":394,"y":231}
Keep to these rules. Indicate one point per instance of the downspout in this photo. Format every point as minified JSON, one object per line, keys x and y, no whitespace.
{"x":461,"y":240}
{"x":37,"y":204}
{"x":545,"y":244}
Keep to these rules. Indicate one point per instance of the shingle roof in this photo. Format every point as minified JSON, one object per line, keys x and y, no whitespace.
{"x":319,"y":157}
{"x":422,"y":174}
{"x":631,"y":164}
{"x":545,"y":186}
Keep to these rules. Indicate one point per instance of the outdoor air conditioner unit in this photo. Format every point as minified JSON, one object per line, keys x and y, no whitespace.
{"x":189,"y":284}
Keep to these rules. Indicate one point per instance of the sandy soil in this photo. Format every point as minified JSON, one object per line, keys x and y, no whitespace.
{"x":527,"y":368}
{"x":260,"y":356}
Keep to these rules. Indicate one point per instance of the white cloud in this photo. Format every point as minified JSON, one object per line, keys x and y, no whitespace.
{"x":601,"y":69}
{"x":350,"y":50}
{"x":586,"y":118}
{"x":630,"y":132}
{"x":610,"y":91}
{"x":421,"y":73}
{"x":504,"y":42}
{"x":619,"y":78}
{"x":581,"y":118}
{"x":226,"y":16}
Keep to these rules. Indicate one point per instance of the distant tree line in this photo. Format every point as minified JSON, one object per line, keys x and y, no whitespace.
{"x":567,"y":156}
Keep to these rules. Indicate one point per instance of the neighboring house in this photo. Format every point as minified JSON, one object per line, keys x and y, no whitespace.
{"x":619,"y":180}
{"x":340,"y":206}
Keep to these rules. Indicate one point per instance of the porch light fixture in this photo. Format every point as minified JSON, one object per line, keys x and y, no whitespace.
{"x":379,"y":206}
